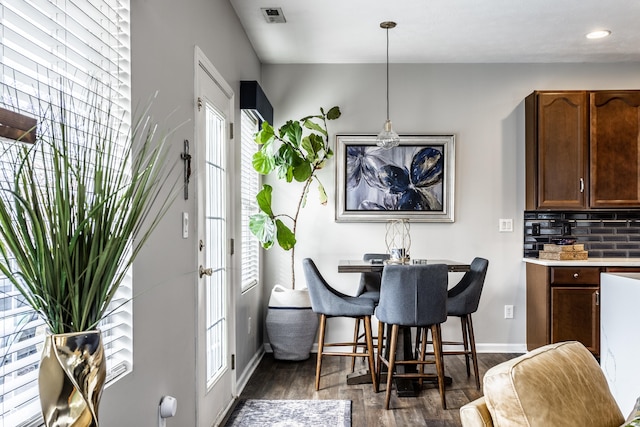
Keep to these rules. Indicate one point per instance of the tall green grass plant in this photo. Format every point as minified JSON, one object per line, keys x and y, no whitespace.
{"x":78,"y":206}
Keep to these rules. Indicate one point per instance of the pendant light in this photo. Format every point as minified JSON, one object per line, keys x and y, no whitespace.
{"x":387,"y":138}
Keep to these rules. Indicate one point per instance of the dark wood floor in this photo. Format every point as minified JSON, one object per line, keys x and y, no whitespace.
{"x":275,"y":379}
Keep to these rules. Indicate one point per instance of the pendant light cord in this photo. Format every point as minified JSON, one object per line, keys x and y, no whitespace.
{"x":387,"y":73}
{"x":387,"y":138}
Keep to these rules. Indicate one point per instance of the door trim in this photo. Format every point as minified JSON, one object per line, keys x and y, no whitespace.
{"x":201,"y":62}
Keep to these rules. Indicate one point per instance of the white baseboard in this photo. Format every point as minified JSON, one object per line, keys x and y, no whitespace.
{"x":501,"y":348}
{"x":480,"y":348}
{"x":245,"y":376}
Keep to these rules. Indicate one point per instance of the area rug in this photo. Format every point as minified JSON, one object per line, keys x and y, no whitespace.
{"x":291,"y":413}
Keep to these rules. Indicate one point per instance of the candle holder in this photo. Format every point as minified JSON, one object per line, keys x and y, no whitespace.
{"x":398,"y":240}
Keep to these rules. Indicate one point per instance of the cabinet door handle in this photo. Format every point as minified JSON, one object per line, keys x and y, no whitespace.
{"x":597,"y":297}
{"x":581,"y":185}
{"x":575,"y":275}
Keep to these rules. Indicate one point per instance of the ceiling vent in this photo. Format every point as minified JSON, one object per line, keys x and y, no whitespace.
{"x":273,"y":15}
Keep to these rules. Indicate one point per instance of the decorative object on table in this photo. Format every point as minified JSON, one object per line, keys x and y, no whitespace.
{"x":68,"y":217}
{"x":398,"y":240}
{"x":387,"y":138}
{"x":561,"y":252}
{"x":414,"y":180}
{"x":309,"y":413}
{"x":293,"y":155}
{"x":563,"y":241}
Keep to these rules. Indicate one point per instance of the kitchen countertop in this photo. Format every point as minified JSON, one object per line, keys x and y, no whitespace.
{"x":591,"y":262}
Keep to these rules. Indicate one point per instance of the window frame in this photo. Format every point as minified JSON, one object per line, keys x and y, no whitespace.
{"x":249,"y":186}
{"x":45,"y":43}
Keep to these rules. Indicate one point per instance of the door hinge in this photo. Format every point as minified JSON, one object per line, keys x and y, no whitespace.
{"x":233,"y":361}
{"x":232,"y":246}
{"x":199,"y":103}
{"x":230,"y":130}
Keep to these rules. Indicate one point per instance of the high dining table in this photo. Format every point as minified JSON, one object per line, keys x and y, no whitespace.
{"x":361,"y":266}
{"x":404,"y":387}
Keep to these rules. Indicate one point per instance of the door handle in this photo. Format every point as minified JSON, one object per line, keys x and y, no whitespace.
{"x":205,"y":271}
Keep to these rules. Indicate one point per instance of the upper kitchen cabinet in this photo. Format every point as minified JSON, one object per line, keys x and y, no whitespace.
{"x":557,"y":137}
{"x":615,"y":149}
{"x":582,"y":149}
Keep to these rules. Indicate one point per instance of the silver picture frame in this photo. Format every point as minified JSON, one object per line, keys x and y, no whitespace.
{"x":414,"y":181}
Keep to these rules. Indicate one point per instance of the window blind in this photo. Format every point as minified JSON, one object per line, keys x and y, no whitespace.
{"x":249,"y":186}
{"x":47,"y":46}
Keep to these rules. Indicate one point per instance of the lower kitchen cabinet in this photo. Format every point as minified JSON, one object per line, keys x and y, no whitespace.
{"x":563,"y":304}
{"x":575,"y":315}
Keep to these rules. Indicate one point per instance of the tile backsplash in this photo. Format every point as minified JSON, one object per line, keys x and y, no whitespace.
{"x":605,"y":234}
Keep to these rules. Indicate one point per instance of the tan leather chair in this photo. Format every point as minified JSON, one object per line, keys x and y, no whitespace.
{"x":553,"y":386}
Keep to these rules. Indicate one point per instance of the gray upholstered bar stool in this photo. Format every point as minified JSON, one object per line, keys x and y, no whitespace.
{"x":463,"y":300}
{"x":329,"y":302}
{"x":413,"y":296}
{"x":369,"y":287}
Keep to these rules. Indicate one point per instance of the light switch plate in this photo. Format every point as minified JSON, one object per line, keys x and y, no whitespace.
{"x":185,"y":225}
{"x":508,"y":312}
{"x":506,"y":225}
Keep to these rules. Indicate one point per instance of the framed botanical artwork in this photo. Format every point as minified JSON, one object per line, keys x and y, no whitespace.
{"x":413,"y":181}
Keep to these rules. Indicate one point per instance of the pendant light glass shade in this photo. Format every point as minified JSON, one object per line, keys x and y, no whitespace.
{"x":387,"y":138}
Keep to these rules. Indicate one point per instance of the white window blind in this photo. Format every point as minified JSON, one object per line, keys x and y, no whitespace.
{"x":249,"y":186}
{"x":45,"y":43}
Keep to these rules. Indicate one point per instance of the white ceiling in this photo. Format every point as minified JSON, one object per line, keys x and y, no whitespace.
{"x":443,"y":31}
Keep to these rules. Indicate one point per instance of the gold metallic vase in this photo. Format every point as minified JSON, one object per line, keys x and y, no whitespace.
{"x":72,"y":376}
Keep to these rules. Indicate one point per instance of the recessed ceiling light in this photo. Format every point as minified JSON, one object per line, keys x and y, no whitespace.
{"x":598,"y":34}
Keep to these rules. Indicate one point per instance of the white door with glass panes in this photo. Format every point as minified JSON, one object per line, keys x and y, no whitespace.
{"x":215,"y":344}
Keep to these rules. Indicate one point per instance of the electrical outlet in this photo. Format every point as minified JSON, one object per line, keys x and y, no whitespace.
{"x":535,"y":229}
{"x":508,"y":312}
{"x":506,"y":225}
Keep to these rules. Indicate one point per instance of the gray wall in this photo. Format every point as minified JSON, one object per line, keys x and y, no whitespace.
{"x":482,"y":104}
{"x":164,"y":33}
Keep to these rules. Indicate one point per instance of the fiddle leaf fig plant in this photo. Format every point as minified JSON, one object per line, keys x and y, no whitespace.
{"x":295,"y":152}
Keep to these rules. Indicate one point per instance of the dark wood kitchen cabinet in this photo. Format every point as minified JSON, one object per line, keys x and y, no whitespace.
{"x":557,"y":137}
{"x":582,"y":149}
{"x":563,"y":303}
{"x":615,"y":149}
{"x":575,"y":315}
